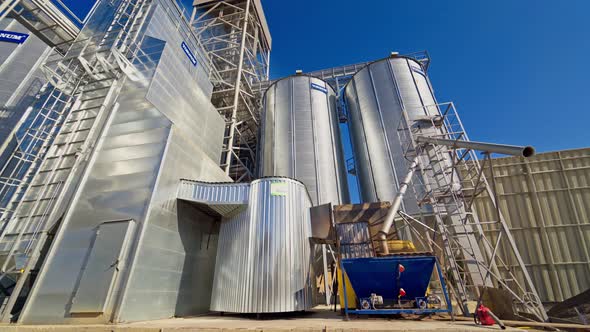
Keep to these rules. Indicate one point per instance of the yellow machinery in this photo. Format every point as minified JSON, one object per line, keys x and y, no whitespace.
{"x":400,"y":246}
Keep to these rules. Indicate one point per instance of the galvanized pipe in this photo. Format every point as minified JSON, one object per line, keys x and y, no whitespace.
{"x":513,"y":150}
{"x":395,"y":204}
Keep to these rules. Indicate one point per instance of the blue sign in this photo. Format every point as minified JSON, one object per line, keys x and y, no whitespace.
{"x":13,"y":37}
{"x":319,"y":88}
{"x":189,"y":53}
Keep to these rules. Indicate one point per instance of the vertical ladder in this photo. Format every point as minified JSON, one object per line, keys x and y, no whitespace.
{"x":43,"y":192}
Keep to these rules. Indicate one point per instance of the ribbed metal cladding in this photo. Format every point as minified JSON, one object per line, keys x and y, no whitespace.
{"x":544,"y":199}
{"x":214,"y":192}
{"x":375,"y":98}
{"x":264,"y":255}
{"x":300,"y":137}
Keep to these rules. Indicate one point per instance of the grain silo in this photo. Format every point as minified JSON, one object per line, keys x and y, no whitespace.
{"x":375,"y":98}
{"x":300,"y":137}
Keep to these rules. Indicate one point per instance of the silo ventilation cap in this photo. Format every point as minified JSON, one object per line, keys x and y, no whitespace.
{"x":298,"y":72}
{"x":393,"y":54}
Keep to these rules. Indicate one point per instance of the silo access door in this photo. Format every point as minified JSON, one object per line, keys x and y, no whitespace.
{"x":105,"y":257}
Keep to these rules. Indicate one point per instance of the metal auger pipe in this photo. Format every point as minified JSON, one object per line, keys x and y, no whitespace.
{"x":513,"y":150}
{"x":395,"y":204}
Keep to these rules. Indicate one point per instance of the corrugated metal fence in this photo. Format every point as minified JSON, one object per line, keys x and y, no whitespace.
{"x":546,"y":202}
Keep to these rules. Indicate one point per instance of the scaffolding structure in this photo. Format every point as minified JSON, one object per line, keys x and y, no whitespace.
{"x":50,"y":20}
{"x":478,"y":253}
{"x":235,"y":36}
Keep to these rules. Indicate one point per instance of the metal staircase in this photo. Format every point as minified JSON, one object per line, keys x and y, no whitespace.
{"x":477,"y":252}
{"x":45,"y":168}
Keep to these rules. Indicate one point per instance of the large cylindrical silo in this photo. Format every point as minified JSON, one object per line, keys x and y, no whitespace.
{"x":300,"y":137}
{"x":375,"y":97}
{"x":264,"y":261}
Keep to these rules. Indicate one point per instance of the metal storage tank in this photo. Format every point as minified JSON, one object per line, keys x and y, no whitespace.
{"x":300,"y":137}
{"x":375,"y":97}
{"x":264,"y":256}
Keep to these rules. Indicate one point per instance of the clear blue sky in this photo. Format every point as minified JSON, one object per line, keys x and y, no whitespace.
{"x":518,"y":71}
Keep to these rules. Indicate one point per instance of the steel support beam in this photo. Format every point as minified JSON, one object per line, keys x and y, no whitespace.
{"x":233,"y":33}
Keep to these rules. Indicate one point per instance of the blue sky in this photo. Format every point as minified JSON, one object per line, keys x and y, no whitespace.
{"x":517,"y":70}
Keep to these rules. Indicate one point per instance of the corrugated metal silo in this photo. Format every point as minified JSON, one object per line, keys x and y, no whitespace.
{"x":375,"y":97}
{"x":300,"y":137}
{"x":264,"y":257}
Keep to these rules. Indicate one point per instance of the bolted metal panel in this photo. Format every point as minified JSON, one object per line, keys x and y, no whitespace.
{"x":321,"y":221}
{"x":264,"y":254}
{"x":300,"y":137}
{"x":375,"y":98}
{"x":20,"y":66}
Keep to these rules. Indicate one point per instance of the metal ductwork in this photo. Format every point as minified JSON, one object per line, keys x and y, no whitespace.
{"x":513,"y":150}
